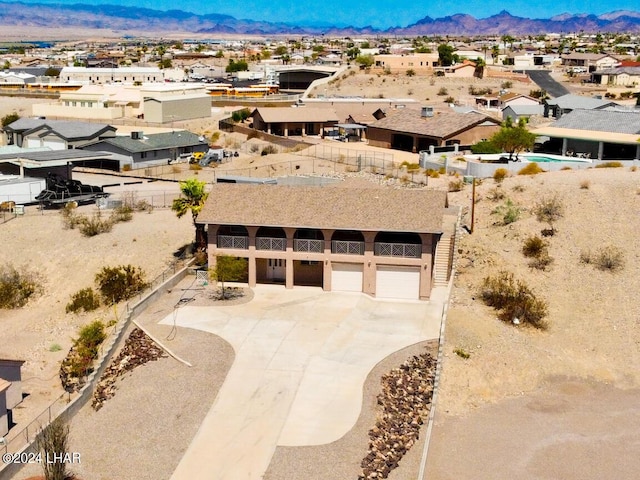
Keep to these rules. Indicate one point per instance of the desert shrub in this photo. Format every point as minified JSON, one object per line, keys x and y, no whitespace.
{"x":508,"y":212}
{"x":542,"y":261}
{"x":86,"y":299}
{"x":531,"y":169}
{"x":433,"y":173}
{"x":506,"y":84}
{"x":195,"y":166}
{"x":449,"y":99}
{"x":585,"y":184}
{"x":126,"y":168}
{"x":534,"y":246}
{"x":500,"y":174}
{"x":608,"y":258}
{"x":52,"y":443}
{"x":495,"y":194}
{"x":90,"y":337}
{"x":518,"y":188}
{"x":549,"y":210}
{"x":120,"y":283}
{"x":514,"y":300}
{"x":443,"y":91}
{"x":94,"y":225}
{"x":456,"y":185}
{"x":143,"y":206}
{"x":633,"y":168}
{"x":70,"y":218}
{"x":462,"y":353}
{"x":123,"y":213}
{"x":17,"y":287}
{"x":564,"y":169}
{"x":442,"y":170}
{"x":268,"y":150}
{"x":609,"y":165}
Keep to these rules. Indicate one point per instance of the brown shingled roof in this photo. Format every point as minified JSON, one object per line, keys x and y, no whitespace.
{"x":366,"y":209}
{"x":441,"y":125}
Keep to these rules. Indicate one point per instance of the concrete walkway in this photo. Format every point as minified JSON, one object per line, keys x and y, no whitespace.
{"x":302,"y":357}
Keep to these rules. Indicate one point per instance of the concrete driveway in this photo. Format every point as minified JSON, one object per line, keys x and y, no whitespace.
{"x":302,"y":357}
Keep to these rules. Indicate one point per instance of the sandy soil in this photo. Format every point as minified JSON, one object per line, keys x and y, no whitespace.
{"x":584,"y":367}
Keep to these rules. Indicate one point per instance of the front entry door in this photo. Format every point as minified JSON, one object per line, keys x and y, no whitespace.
{"x":276,"y":270}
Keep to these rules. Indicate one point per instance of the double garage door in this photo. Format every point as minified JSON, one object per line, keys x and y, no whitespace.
{"x":391,"y":281}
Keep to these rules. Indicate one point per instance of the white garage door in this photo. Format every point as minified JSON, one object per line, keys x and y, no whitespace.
{"x":398,"y":282}
{"x":346,"y":277}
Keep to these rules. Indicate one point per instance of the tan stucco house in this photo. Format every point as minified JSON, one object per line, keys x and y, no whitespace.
{"x":374,"y":240}
{"x":416,"y":130}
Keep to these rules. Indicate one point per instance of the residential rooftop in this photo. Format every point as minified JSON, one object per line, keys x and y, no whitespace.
{"x":365,"y":209}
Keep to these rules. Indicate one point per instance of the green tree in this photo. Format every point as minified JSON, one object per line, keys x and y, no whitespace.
{"x":165,"y":63}
{"x":192,"y":200}
{"x":228,"y":269}
{"x":445,"y":55}
{"x":365,"y":61}
{"x":9,"y":118}
{"x":236,"y":66}
{"x":281,"y":50}
{"x":513,"y":139}
{"x":352,"y":53}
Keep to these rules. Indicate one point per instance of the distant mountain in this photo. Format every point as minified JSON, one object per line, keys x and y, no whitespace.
{"x":135,"y":19}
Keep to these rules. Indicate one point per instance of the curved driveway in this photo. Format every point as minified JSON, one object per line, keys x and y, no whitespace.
{"x":545,"y":81}
{"x":302,"y":357}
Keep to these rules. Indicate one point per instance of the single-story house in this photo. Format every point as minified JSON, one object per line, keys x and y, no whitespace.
{"x":415,"y":130}
{"x":375,"y":240}
{"x":55,"y":134}
{"x":287,"y":121}
{"x":603,"y":134}
{"x":589,"y":61}
{"x":516,"y":112}
{"x":557,"y":107}
{"x":512,"y":98}
{"x":622,"y":76}
{"x":143,"y":150}
{"x":164,"y":109}
{"x":418,"y":62}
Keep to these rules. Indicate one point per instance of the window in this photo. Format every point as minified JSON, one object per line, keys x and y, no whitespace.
{"x":309,"y":262}
{"x":143,"y":154}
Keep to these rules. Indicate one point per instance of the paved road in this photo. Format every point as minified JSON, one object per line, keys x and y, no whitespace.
{"x":302,"y":357}
{"x":544,"y":80}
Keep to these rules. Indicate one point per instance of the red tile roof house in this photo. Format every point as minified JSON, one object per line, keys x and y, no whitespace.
{"x":376,"y":240}
{"x":415,"y":130}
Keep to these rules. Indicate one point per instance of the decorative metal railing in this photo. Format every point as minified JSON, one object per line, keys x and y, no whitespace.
{"x":233,"y":241}
{"x":268,"y":243}
{"x":312,"y":246}
{"x":385,"y":249}
{"x":347,"y":247}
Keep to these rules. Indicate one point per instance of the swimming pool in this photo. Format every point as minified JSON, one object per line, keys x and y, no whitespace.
{"x":527,"y":157}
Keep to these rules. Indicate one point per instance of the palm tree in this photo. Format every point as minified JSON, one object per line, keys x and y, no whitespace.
{"x":192,"y":199}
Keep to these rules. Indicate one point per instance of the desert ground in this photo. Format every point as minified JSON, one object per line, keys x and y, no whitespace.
{"x":557,"y":403}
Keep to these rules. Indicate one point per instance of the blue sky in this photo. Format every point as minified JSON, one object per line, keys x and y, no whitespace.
{"x":377,"y":13}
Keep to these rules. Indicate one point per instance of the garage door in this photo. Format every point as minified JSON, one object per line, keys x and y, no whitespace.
{"x":398,"y":282}
{"x":346,"y":277}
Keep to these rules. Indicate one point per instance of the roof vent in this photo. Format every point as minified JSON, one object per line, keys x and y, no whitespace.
{"x":426,"y":112}
{"x":137,"y":135}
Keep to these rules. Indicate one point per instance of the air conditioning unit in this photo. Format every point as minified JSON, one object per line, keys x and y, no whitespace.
{"x":137,"y":135}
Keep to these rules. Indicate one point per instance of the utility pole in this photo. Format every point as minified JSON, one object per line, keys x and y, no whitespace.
{"x":473,"y":204}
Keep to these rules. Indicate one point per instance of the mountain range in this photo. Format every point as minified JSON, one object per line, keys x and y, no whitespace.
{"x":135,"y":19}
